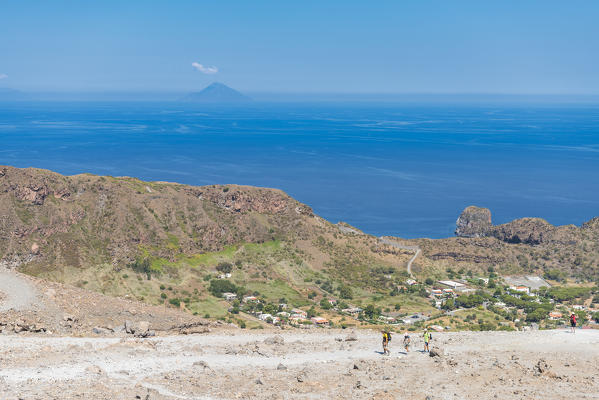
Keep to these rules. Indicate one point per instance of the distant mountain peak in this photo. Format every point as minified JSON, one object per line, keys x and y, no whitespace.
{"x":217,"y":93}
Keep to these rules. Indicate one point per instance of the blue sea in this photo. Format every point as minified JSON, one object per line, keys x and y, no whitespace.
{"x":389,"y":169}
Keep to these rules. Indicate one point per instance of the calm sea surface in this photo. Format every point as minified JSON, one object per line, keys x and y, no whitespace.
{"x":405,"y":170}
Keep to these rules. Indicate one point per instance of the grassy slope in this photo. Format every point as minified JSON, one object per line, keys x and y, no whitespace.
{"x":92,"y":238}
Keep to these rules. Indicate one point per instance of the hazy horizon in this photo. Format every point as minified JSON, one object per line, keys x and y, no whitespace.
{"x":291,"y":96}
{"x":386,"y":47}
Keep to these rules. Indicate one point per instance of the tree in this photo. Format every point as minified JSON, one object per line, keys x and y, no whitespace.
{"x":311,"y":312}
{"x":324,"y":304}
{"x":345,"y":292}
{"x":449,"y":304}
{"x":536,"y":316}
{"x":429,"y":281}
{"x":219,"y":286}
{"x":369,"y":311}
{"x":327,"y":286}
{"x":224,"y":267}
{"x":270,"y":308}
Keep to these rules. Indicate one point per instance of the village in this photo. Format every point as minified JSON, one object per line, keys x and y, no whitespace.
{"x":522,"y":302}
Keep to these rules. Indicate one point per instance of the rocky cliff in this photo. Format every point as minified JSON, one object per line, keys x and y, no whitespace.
{"x":86,"y":219}
{"x":525,"y":245}
{"x":475,"y":222}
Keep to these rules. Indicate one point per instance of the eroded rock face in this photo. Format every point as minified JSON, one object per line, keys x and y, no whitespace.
{"x":474,"y":222}
{"x":525,"y":230}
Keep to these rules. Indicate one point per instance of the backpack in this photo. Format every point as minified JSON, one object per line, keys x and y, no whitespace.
{"x":388,"y":336}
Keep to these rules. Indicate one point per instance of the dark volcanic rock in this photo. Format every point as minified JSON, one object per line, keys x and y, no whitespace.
{"x":474,"y":222}
{"x":525,"y":230}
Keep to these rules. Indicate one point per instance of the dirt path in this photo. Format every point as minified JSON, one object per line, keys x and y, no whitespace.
{"x":302,"y":365}
{"x":398,"y":245}
{"x":18,"y":293}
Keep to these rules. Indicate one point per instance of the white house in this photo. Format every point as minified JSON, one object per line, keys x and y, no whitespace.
{"x":521,"y":289}
{"x":299,"y":312}
{"x":229,"y":296}
{"x":264,"y":317}
{"x":452,"y":284}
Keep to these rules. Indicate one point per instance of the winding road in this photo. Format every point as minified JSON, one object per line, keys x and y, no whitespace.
{"x":398,"y":245}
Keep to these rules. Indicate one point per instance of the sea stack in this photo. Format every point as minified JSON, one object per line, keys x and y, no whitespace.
{"x":474,"y":222}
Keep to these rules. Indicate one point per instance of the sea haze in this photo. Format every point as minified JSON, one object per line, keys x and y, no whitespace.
{"x":389,"y":169}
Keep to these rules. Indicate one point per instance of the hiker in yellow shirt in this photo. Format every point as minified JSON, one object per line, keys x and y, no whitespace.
{"x":427,"y":338}
{"x":386,"y":340}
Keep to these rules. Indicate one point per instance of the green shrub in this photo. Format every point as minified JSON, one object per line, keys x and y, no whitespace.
{"x":219,"y":286}
{"x":224,"y":267}
{"x":345,"y":292}
{"x":325,"y":305}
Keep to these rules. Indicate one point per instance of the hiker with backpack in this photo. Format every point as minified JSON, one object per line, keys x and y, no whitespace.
{"x":427,"y":338}
{"x":406,"y":341}
{"x":386,"y":340}
{"x":573,"y":323}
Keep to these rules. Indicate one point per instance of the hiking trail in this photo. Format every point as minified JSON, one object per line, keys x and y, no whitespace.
{"x":18,"y":293}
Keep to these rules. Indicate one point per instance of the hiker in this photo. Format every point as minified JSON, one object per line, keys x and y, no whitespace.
{"x":406,"y":341}
{"x":427,"y":338}
{"x":573,"y":323}
{"x":386,"y":340}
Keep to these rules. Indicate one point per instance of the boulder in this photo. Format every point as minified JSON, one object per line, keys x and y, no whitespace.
{"x":474,"y":222}
{"x":434,"y":353}
{"x":129,"y":327}
{"x":277,"y":339}
{"x":541,"y":367}
{"x":139,"y":329}
{"x":35,"y":248}
{"x":352,"y":337}
{"x":201,"y":364}
{"x":142,"y":328}
{"x":101,"y":331}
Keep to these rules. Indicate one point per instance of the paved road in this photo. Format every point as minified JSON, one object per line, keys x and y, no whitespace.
{"x":398,"y":245}
{"x":18,"y":293}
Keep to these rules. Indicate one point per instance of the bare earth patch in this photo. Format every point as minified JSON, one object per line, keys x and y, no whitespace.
{"x":303,"y":365}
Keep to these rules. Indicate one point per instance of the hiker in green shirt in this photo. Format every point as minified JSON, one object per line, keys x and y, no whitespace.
{"x":427,"y":338}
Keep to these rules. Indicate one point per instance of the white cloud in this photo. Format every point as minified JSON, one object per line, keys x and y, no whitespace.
{"x":3,"y":76}
{"x":204,"y":69}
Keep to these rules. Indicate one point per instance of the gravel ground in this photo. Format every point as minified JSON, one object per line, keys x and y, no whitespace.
{"x":303,"y":365}
{"x":17,"y":293}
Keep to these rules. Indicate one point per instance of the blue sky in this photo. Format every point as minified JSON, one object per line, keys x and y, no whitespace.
{"x":302,"y":46}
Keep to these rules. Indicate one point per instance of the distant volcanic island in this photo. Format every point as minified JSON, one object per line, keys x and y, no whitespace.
{"x":217,"y":93}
